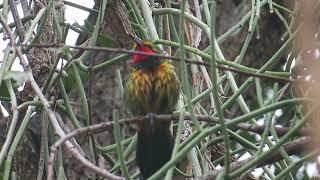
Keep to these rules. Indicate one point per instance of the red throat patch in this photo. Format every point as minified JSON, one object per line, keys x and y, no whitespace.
{"x":138,"y":58}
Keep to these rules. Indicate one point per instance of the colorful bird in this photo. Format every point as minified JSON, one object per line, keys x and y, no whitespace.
{"x":152,"y":87}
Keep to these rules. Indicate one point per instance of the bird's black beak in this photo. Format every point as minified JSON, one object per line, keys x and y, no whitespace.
{"x":137,"y":40}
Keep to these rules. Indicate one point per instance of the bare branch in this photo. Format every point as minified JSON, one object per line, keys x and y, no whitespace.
{"x":131,"y":52}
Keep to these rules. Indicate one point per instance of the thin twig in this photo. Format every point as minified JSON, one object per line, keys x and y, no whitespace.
{"x":23,"y":20}
{"x":81,"y":7}
{"x":62,"y":140}
{"x":17,"y":20}
{"x":132,"y":52}
{"x":102,"y":127}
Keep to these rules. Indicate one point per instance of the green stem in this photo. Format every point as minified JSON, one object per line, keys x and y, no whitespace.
{"x":4,"y":62}
{"x":14,"y":121}
{"x":214,"y":78}
{"x":176,"y":144}
{"x":72,"y":116}
{"x":15,"y":143}
{"x":272,"y":149}
{"x":295,"y":165}
{"x":117,"y":137}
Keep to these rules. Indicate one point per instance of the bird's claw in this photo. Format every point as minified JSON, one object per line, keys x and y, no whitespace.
{"x":150,"y":118}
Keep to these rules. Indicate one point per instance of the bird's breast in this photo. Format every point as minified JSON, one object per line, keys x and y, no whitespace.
{"x":153,"y":90}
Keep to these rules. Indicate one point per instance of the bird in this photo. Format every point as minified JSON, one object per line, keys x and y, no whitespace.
{"x":152,"y":87}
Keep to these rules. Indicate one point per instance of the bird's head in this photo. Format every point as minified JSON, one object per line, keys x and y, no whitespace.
{"x":145,"y":61}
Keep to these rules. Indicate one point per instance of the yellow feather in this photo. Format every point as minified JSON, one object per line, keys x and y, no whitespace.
{"x":153,"y":90}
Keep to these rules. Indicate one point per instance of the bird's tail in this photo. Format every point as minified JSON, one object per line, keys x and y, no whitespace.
{"x":154,"y":149}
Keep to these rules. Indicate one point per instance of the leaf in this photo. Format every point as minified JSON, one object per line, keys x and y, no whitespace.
{"x":65,"y":51}
{"x":88,"y":26}
{"x":18,"y":77}
{"x":77,"y":25}
{"x":103,"y":39}
{"x":4,"y":93}
{"x":69,"y":81}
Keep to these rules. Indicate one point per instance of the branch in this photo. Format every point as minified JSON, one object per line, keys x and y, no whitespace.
{"x":295,"y":147}
{"x":23,"y":20}
{"x":131,"y":52}
{"x":84,"y":8}
{"x":17,"y":20}
{"x":279,"y":130}
{"x":209,"y":119}
{"x":101,"y":127}
{"x":62,"y":140}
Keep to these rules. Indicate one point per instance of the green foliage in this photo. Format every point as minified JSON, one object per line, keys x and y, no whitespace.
{"x":69,"y":80}
{"x":4,"y":93}
{"x":17,"y":77}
